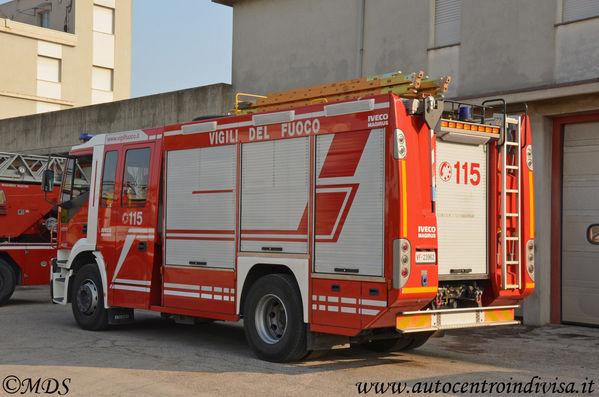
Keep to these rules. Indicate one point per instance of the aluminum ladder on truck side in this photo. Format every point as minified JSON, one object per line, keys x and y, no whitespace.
{"x":511,"y":256}
{"x":28,"y":168}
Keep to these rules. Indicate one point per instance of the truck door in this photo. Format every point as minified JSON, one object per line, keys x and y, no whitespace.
{"x":74,"y":199}
{"x":131,"y":271}
{"x":108,"y":210}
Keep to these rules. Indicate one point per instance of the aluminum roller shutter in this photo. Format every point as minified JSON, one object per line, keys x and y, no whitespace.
{"x":350,"y":195}
{"x":448,"y":15}
{"x":461,"y":208}
{"x":580,"y":209}
{"x":200,"y":207}
{"x":275,"y":178}
{"x":574,"y":10}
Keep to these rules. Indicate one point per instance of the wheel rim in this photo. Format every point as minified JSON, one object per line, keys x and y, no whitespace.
{"x":87,"y":297}
{"x":271,"y":318}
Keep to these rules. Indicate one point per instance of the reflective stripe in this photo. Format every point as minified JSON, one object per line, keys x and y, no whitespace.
{"x":369,"y":302}
{"x":418,"y":290}
{"x":181,"y":293}
{"x":369,"y":312}
{"x":130,"y":288}
{"x":404,"y":201}
{"x":134,"y":282}
{"x":182,"y":286}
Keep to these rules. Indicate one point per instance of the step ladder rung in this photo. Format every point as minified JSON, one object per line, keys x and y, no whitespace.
{"x":513,"y":238}
{"x":512,"y":286}
{"x":510,"y":143}
{"x":512,"y":262}
{"x":512,"y":191}
{"x":510,"y":214}
{"x":512,"y":167}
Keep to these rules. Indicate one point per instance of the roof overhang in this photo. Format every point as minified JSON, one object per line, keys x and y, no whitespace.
{"x":229,"y":3}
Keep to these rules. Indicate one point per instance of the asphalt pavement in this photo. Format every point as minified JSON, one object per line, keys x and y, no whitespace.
{"x":155,"y":357}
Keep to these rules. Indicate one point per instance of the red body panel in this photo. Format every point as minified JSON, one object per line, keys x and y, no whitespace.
{"x":24,"y":237}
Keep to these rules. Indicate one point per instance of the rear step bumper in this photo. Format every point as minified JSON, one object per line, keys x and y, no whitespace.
{"x":436,"y":320}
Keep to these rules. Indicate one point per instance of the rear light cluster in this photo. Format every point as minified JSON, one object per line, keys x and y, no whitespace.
{"x":399,"y":145}
{"x":469,"y":127}
{"x":529,"y":157}
{"x":530,"y":259}
{"x":402,"y":254}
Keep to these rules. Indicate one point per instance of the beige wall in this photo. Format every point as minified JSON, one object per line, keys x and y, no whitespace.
{"x":48,"y":69}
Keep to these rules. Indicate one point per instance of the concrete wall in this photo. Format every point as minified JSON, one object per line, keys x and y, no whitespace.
{"x":56,"y":132}
{"x":504,"y":45}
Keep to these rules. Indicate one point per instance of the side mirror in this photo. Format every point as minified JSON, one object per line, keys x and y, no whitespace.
{"x":48,"y":181}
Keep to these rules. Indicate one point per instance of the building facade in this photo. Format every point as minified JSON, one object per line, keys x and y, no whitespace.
{"x":543,"y":52}
{"x":60,"y":54}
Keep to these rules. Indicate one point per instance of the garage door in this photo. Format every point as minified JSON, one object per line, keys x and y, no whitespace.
{"x":580,"y":258}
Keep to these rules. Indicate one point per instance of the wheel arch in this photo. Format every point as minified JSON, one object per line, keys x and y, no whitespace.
{"x":82,"y":259}
{"x":250,"y":269}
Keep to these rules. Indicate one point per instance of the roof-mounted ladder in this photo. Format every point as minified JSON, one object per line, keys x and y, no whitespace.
{"x":413,"y":85}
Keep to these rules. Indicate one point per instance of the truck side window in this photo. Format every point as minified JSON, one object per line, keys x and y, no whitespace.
{"x":75,"y":190}
{"x":108,"y":178}
{"x":135,"y":178}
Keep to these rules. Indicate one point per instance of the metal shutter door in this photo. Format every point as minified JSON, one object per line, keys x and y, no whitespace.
{"x":275,"y":178}
{"x":350,"y":195}
{"x":580,"y":209}
{"x":461,"y":209}
{"x":448,"y":15}
{"x":200,"y":207}
{"x":574,"y":10}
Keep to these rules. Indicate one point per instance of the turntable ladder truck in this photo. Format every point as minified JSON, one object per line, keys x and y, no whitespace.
{"x":27,"y":221}
{"x":370,"y":212}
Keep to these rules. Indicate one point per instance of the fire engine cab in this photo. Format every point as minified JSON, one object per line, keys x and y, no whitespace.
{"x":369,"y":211}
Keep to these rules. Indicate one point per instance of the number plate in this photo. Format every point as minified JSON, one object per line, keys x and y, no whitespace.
{"x":426,"y":257}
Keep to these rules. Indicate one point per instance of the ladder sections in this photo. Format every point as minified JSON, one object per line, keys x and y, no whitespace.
{"x":16,"y":167}
{"x":412,"y":85}
{"x":511,"y":219}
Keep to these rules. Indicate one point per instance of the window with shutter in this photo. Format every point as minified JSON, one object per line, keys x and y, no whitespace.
{"x":447,"y":22}
{"x":575,"y":10}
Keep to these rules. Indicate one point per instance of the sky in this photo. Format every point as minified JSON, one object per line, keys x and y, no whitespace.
{"x":179,"y":44}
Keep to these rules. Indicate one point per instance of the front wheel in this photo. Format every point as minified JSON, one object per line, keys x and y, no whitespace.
{"x":274,"y":326}
{"x":87,"y":299}
{"x":8,"y":282}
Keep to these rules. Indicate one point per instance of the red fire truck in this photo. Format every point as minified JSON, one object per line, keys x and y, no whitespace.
{"x":27,"y":222}
{"x":368,"y":211}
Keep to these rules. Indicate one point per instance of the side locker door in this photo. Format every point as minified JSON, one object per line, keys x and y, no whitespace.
{"x":135,"y":226}
{"x":108,"y":209}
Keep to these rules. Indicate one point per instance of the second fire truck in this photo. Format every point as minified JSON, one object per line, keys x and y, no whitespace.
{"x":27,"y":221}
{"x":369,"y":211}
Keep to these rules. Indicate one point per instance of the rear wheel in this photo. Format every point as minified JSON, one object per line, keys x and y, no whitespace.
{"x":87,"y":299}
{"x":274,"y":325}
{"x":8,"y":281}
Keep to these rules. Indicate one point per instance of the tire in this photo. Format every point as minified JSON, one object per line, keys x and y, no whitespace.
{"x":8,"y":282}
{"x":273,"y":317}
{"x":388,"y":345}
{"x":87,"y":300}
{"x":418,"y":340}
